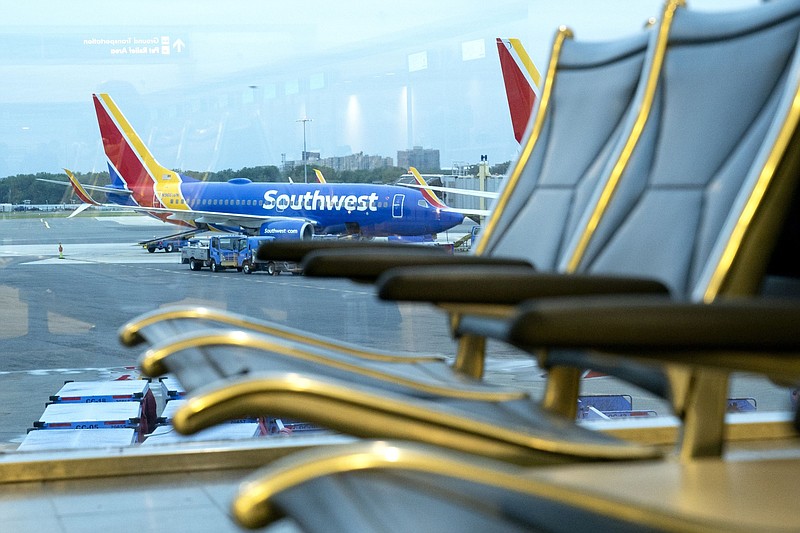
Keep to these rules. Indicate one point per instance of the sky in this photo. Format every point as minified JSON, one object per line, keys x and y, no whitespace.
{"x":225,"y":85}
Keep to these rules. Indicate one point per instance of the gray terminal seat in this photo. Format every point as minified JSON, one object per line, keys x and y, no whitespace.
{"x":402,"y":486}
{"x":406,"y":487}
{"x":664,"y":114}
{"x":718,"y":194}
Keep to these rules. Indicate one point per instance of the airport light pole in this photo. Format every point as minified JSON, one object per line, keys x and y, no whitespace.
{"x":305,"y":154}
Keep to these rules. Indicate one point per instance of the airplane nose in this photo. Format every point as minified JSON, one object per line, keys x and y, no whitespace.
{"x":452,"y":219}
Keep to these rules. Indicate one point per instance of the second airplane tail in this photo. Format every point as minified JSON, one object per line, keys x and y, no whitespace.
{"x":522,"y":81}
{"x":320,"y":177}
{"x":131,"y":165}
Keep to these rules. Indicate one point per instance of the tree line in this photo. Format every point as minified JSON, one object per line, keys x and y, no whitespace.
{"x":29,"y":187}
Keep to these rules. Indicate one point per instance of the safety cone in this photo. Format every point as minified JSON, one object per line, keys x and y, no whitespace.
{"x":60,"y":251}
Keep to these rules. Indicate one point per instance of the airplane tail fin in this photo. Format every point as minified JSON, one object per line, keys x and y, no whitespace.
{"x":320,"y":177}
{"x":522,"y":81}
{"x":427,"y":193}
{"x":130,"y":163}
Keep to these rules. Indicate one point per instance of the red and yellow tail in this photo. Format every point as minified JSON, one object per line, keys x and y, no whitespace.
{"x":522,"y":81}
{"x":320,"y":177}
{"x":131,"y":164}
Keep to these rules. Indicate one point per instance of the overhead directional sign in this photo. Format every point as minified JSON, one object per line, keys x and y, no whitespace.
{"x":154,"y":46}
{"x":93,"y":46}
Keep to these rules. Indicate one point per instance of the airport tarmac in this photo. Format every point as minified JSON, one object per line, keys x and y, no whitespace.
{"x":60,"y":316}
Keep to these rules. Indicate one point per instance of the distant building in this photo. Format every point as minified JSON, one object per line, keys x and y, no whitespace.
{"x":359,"y":161}
{"x":425,"y":160}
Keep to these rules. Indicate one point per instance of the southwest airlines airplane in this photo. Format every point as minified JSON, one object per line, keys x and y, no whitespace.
{"x":283,"y":210}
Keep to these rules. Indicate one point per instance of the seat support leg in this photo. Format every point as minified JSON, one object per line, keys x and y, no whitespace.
{"x":704,"y":416}
{"x":470,"y":356}
{"x":561,"y":393}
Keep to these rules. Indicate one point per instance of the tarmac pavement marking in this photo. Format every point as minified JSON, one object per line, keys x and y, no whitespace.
{"x":107,"y":373}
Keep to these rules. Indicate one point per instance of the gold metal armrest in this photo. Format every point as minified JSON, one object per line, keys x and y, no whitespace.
{"x":375,"y":414}
{"x":253,"y":506}
{"x":130,"y":333}
{"x":153,"y":363}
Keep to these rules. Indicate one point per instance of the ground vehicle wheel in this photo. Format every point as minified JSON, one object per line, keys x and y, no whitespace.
{"x":194,"y":265}
{"x":214,"y":266}
{"x":151,"y":248}
{"x":271,"y":270}
{"x":246,"y":268}
{"x":170,"y":249}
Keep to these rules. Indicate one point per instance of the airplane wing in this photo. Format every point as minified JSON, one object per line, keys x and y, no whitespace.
{"x":211,"y":218}
{"x":80,"y":192}
{"x":219,"y":219}
{"x":76,"y":186}
{"x":466,"y":211}
{"x":167,"y":215}
{"x":466,"y":192}
{"x":430,"y":196}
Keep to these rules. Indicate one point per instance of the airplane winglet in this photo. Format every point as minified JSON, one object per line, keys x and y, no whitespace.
{"x":131,"y":163}
{"x":320,"y":177}
{"x":427,"y":193}
{"x":80,"y":192}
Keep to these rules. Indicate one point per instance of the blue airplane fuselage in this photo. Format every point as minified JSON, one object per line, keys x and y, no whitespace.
{"x":284,"y":210}
{"x":371,"y":210}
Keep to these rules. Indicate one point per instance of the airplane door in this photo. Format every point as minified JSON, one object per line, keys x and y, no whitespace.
{"x":397,"y":205}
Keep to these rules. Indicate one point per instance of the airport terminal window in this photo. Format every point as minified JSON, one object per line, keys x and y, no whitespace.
{"x":247,"y":91}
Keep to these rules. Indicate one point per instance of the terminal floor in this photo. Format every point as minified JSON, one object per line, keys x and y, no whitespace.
{"x":166,"y":502}
{"x":199,"y":501}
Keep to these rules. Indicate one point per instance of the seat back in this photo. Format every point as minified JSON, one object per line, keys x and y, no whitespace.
{"x":699,"y":180}
{"x":696,"y":198}
{"x":571,"y":134}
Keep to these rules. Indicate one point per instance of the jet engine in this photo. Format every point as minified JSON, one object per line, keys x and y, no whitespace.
{"x":287,"y":230}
